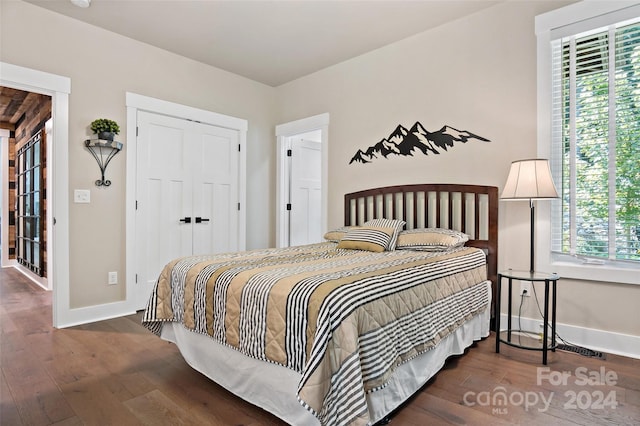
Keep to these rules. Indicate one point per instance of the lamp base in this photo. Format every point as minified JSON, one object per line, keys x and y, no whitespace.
{"x":531,"y":248}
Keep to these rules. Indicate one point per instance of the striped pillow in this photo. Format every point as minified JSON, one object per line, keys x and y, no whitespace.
{"x":335,"y":235}
{"x":367,"y":238}
{"x":431,"y":239}
{"x":397,"y":225}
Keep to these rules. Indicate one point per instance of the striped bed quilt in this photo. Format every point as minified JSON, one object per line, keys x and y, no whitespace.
{"x":343,"y":319}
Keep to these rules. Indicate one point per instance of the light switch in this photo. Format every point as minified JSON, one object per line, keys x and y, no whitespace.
{"x":81,"y":196}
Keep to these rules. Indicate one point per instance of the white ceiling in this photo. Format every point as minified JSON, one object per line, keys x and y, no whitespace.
{"x":272,"y":42}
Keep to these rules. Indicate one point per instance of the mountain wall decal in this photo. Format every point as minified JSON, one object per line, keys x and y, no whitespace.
{"x":403,"y":141}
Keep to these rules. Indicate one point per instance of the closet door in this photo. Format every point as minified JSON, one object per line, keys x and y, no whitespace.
{"x":215,"y":190}
{"x":186,"y":193}
{"x":163,"y":195}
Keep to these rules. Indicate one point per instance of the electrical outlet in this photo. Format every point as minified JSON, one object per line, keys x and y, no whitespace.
{"x":525,"y":288}
{"x":113,"y":278}
{"x":82,"y":196}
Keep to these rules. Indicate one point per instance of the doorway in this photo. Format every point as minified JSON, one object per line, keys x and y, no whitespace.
{"x":301,"y":194}
{"x":58,"y":88}
{"x":305,"y":186}
{"x":25,"y":118}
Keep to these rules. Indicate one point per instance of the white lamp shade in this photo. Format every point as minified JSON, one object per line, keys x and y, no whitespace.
{"x":529,"y":179}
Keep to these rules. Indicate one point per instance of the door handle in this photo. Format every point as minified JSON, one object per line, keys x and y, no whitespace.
{"x":186,"y":220}
{"x":199,"y":220}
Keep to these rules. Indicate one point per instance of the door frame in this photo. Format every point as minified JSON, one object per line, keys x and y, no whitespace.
{"x":59,"y":88}
{"x":135,"y":103}
{"x":284,"y":133}
{"x":4,"y":198}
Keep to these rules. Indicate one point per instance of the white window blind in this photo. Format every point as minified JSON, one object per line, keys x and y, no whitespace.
{"x":595,"y":150}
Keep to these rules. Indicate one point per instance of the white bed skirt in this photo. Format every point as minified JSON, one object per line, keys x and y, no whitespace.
{"x":273,"y":387}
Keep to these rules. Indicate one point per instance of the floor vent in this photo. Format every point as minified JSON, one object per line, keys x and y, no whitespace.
{"x":582,"y":351}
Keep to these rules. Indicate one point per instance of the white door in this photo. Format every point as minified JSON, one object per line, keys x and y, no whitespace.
{"x":215,"y":189}
{"x":315,"y":128}
{"x":305,"y":220}
{"x":186,"y":193}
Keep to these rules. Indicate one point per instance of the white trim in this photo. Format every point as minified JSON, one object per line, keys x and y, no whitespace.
{"x":10,"y":263}
{"x":39,"y":281}
{"x":31,"y":80}
{"x":160,"y":106}
{"x":283,"y":168}
{"x":62,"y":312}
{"x":303,"y":125}
{"x":135,"y":103}
{"x":4,"y":195}
{"x":48,"y":126}
{"x":591,"y":338}
{"x":584,"y":16}
{"x":105,"y":311}
{"x":283,"y":133}
{"x":59,"y":88}
{"x":566,"y":266}
{"x":130,"y":207}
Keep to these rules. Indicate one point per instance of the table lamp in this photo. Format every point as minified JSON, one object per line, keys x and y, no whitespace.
{"x":530,"y":180}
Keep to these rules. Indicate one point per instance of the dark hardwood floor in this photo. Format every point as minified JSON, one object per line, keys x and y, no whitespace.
{"x":115,"y":372}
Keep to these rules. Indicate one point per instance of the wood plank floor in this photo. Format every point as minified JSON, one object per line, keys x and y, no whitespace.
{"x":115,"y":372}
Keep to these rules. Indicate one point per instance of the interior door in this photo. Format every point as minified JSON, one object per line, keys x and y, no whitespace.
{"x":163,"y":196}
{"x":305,"y":220}
{"x":215,"y":200}
{"x":186,"y":193}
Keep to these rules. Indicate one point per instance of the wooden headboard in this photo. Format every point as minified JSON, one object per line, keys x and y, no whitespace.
{"x":472,"y":209}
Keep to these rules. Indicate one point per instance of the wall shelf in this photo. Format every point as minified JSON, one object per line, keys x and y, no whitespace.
{"x":103,"y":151}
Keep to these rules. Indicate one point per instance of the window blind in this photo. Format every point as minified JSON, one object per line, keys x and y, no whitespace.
{"x":595,"y":151}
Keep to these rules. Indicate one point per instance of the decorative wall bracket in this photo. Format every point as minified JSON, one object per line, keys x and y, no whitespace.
{"x":103,"y":151}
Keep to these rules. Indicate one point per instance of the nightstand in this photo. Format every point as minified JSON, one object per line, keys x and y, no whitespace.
{"x":550,"y":280}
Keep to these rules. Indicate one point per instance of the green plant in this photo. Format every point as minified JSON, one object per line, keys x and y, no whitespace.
{"x":104,"y":125}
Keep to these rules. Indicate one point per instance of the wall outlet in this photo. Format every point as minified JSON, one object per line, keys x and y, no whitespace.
{"x":525,"y":288}
{"x":113,"y":278}
{"x":81,"y":196}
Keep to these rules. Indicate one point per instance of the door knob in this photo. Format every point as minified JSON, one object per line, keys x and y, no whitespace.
{"x":186,"y":220}
{"x":199,"y":220}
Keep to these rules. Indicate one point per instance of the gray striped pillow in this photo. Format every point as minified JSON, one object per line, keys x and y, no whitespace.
{"x":397,"y":225}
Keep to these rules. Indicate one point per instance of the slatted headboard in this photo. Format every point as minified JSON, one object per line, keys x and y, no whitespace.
{"x":472,"y":209}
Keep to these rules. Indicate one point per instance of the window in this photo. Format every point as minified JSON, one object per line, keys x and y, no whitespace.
{"x":594,"y":128}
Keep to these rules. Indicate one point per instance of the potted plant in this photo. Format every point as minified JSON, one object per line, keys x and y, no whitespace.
{"x":105,"y":129}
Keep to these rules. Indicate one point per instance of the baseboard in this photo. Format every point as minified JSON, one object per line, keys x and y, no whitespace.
{"x":598,"y":340}
{"x":88,"y":314}
{"x":39,"y":281}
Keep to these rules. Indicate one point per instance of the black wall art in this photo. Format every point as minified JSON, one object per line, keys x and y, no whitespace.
{"x":405,"y":141}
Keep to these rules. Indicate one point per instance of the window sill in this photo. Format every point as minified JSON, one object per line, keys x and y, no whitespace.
{"x":576,"y":268}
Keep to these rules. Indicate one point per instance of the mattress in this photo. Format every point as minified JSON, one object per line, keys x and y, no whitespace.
{"x":343,"y":322}
{"x":273,"y":387}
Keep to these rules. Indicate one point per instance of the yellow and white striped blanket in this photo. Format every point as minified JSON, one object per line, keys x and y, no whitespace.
{"x":343,"y":319}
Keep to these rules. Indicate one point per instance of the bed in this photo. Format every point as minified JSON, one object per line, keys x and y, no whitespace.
{"x":344,"y":331}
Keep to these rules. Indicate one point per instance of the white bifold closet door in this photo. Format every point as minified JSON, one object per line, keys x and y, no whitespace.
{"x":186,"y":193}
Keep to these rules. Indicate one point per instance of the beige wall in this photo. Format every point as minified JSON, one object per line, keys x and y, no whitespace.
{"x":103,"y":66}
{"x":477,"y":74}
